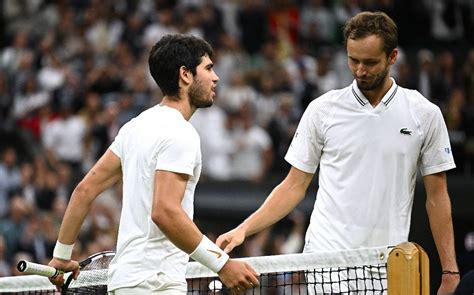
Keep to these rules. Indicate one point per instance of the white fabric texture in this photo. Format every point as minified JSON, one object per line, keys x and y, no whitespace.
{"x":155,"y":284}
{"x":368,"y":159}
{"x":158,"y":139}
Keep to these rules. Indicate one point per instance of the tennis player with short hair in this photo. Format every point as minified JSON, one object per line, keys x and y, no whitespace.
{"x":369,"y":139}
{"x":158,"y":157}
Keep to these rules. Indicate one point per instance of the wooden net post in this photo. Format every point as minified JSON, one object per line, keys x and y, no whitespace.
{"x":408,"y":270}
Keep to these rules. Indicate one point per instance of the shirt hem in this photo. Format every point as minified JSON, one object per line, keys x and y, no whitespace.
{"x":299,"y":165}
{"x":438,"y":168}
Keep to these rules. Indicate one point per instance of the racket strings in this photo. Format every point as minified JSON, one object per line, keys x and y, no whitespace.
{"x":92,"y":278}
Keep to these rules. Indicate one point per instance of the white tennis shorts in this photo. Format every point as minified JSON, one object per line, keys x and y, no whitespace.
{"x":156,"y":284}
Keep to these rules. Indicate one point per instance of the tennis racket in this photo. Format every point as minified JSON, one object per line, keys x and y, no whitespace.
{"x":91,"y":280}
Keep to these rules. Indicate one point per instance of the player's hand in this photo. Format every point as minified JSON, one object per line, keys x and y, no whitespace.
{"x":448,"y":284}
{"x":230,"y":239}
{"x":238,"y":276}
{"x":65,"y":266}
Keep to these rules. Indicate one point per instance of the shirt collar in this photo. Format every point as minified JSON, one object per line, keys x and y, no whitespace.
{"x":362,"y":100}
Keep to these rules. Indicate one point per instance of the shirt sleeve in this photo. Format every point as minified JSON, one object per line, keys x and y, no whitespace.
{"x":116,"y":145}
{"x":305,"y":149}
{"x":436,"y":153}
{"x":179,"y":153}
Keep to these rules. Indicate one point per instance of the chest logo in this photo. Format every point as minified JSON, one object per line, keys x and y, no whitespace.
{"x":405,"y":131}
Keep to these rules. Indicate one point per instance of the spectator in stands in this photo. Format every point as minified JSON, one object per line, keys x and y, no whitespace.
{"x":253,"y":23}
{"x":252,"y":155}
{"x":455,"y":121}
{"x":216,"y":145}
{"x":282,"y":128}
{"x":32,"y":240}
{"x":63,"y":140}
{"x":26,"y":187}
{"x":266,"y":102}
{"x":27,"y":104}
{"x":161,"y":25}
{"x":238,"y":93}
{"x":426,"y":72}
{"x":10,"y":177}
{"x":13,"y":225}
{"x":318,"y":24}
{"x":468,"y":73}
{"x":10,"y":57}
{"x":324,"y":78}
{"x":446,"y":77}
{"x":6,"y":102}
{"x":230,"y":58}
{"x":446,"y":20}
{"x":344,"y":10}
{"x":301,"y":66}
{"x":52,"y":75}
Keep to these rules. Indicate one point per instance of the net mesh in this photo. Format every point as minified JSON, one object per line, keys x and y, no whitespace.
{"x":327,"y":281}
{"x":362,"y":271}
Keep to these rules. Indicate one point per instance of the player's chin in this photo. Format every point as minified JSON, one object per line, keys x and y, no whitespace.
{"x":205,"y":104}
{"x":363,"y":81}
{"x":364,"y":85}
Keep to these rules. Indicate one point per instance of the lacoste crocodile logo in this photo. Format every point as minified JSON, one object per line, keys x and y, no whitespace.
{"x":405,"y":131}
{"x":215,"y":252}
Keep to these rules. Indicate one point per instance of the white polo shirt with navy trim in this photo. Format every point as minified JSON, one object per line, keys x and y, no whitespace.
{"x":368,"y":159}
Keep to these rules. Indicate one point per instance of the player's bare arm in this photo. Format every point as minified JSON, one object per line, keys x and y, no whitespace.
{"x":281,"y":201}
{"x":106,"y":172}
{"x":168,"y":213}
{"x":438,"y":206}
{"x":169,"y":216}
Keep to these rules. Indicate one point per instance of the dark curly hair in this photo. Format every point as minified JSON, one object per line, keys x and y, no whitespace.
{"x":170,"y":53}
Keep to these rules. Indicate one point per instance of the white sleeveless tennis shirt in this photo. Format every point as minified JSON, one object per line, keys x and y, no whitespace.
{"x":368,"y":159}
{"x":158,"y":139}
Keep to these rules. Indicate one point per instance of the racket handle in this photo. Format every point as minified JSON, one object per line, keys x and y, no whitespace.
{"x":37,"y":269}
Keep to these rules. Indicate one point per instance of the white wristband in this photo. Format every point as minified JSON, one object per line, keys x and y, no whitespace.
{"x":62,"y":251}
{"x":208,"y":254}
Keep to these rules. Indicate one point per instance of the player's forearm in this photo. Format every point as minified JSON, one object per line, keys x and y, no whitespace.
{"x":76,"y":212}
{"x":439,"y":214}
{"x":178,"y":227}
{"x":281,"y":201}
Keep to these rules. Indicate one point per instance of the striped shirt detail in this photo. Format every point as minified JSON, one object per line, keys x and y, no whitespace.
{"x":357,"y":97}
{"x":389,"y":99}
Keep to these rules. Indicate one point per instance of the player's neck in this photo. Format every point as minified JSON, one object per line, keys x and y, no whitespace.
{"x":375,"y":96}
{"x":181,"y":104}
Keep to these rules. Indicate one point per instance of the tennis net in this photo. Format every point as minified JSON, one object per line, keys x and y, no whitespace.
{"x":362,"y":271}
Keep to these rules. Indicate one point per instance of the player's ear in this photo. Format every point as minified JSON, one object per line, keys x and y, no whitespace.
{"x":392,"y":58}
{"x":185,"y":74}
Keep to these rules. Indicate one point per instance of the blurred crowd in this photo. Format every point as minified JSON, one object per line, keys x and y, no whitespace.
{"x":72,"y":72}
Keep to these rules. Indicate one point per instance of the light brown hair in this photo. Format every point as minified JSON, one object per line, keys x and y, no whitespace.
{"x":377,"y":23}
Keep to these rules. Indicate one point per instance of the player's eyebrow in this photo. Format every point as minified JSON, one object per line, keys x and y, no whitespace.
{"x":366,"y":60}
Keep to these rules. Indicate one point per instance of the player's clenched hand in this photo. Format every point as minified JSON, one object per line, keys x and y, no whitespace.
{"x":230,"y":240}
{"x":65,"y":266}
{"x":238,"y":276}
{"x":448,"y":284}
